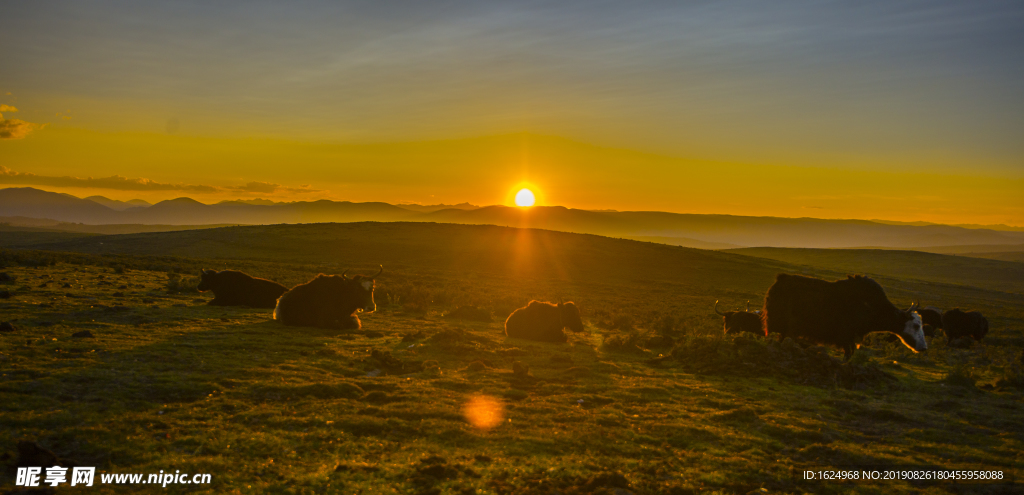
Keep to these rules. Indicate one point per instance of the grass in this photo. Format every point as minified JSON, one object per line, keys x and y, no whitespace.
{"x":169,"y":383}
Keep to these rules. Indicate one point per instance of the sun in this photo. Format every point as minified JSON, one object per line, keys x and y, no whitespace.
{"x":525,"y":198}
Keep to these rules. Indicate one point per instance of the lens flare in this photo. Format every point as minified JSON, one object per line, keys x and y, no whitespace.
{"x":525,"y":198}
{"x":484,"y":412}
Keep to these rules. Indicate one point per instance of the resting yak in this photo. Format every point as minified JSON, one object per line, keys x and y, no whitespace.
{"x":958,"y":323}
{"x":544,"y":321}
{"x":327,"y":301}
{"x":234,"y":288}
{"x":838,"y":313}
{"x":742,"y":321}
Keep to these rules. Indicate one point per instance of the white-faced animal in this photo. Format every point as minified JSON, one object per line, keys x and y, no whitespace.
{"x":838,"y":313}
{"x":931,"y":320}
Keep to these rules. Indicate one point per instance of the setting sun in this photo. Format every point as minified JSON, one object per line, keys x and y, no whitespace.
{"x":525,"y":198}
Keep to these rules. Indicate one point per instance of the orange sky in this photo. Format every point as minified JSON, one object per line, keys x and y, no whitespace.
{"x":862,"y":110}
{"x":490,"y":170}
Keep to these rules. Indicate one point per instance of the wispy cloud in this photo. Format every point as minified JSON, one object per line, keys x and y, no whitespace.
{"x":118,"y":182}
{"x":259,"y":187}
{"x":121,"y":183}
{"x":269,"y":187}
{"x":15,"y":128}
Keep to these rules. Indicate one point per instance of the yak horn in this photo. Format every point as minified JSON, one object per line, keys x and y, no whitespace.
{"x":716,"y":309}
{"x":379,"y":272}
{"x":343,"y":274}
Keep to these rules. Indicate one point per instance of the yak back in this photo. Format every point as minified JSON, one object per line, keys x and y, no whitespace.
{"x":235,"y":288}
{"x":931,"y":316}
{"x":744,"y":321}
{"x":931,"y":320}
{"x":839,"y":313}
{"x":327,"y":301}
{"x":543,"y":321}
{"x":958,"y":323}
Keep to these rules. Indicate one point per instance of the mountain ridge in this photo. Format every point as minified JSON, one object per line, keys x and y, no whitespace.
{"x":707,"y":231}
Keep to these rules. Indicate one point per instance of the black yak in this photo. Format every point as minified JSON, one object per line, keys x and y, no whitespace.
{"x":958,"y":323}
{"x":838,"y":313}
{"x":544,"y":321}
{"x":742,"y":321}
{"x":234,"y":288}
{"x":931,"y":320}
{"x":327,"y":301}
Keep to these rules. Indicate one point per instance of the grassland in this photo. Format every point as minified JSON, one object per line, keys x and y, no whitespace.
{"x":1001,"y":252}
{"x":908,"y":265}
{"x":653,"y":399}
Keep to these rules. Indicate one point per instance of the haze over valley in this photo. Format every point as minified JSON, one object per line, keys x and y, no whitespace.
{"x":29,"y":207}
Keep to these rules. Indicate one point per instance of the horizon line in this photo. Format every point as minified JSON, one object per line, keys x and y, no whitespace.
{"x":918,"y":223}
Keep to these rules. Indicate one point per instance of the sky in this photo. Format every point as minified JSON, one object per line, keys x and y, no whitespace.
{"x":872,"y":109}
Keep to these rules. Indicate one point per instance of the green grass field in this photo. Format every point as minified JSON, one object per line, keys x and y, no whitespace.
{"x":653,"y":399}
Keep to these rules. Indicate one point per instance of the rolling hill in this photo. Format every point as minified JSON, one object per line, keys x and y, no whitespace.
{"x":728,"y":229}
{"x":691,"y":230}
{"x":452,"y":248}
{"x":909,"y":265}
{"x":540,"y":255}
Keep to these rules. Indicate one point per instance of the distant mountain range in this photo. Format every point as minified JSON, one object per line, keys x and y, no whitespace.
{"x":691,"y":230}
{"x":114,"y":204}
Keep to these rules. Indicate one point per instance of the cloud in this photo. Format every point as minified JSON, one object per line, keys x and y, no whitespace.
{"x":14,"y":128}
{"x":8,"y":176}
{"x":269,"y":187}
{"x":305,"y":188}
{"x":259,"y":187}
{"x":121,"y":183}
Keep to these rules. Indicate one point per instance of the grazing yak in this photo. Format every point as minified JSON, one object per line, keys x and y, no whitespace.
{"x":931,"y":320}
{"x":234,"y":288}
{"x":327,"y":301}
{"x":742,"y":321}
{"x":958,"y":323}
{"x":544,"y":321}
{"x":838,"y":313}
